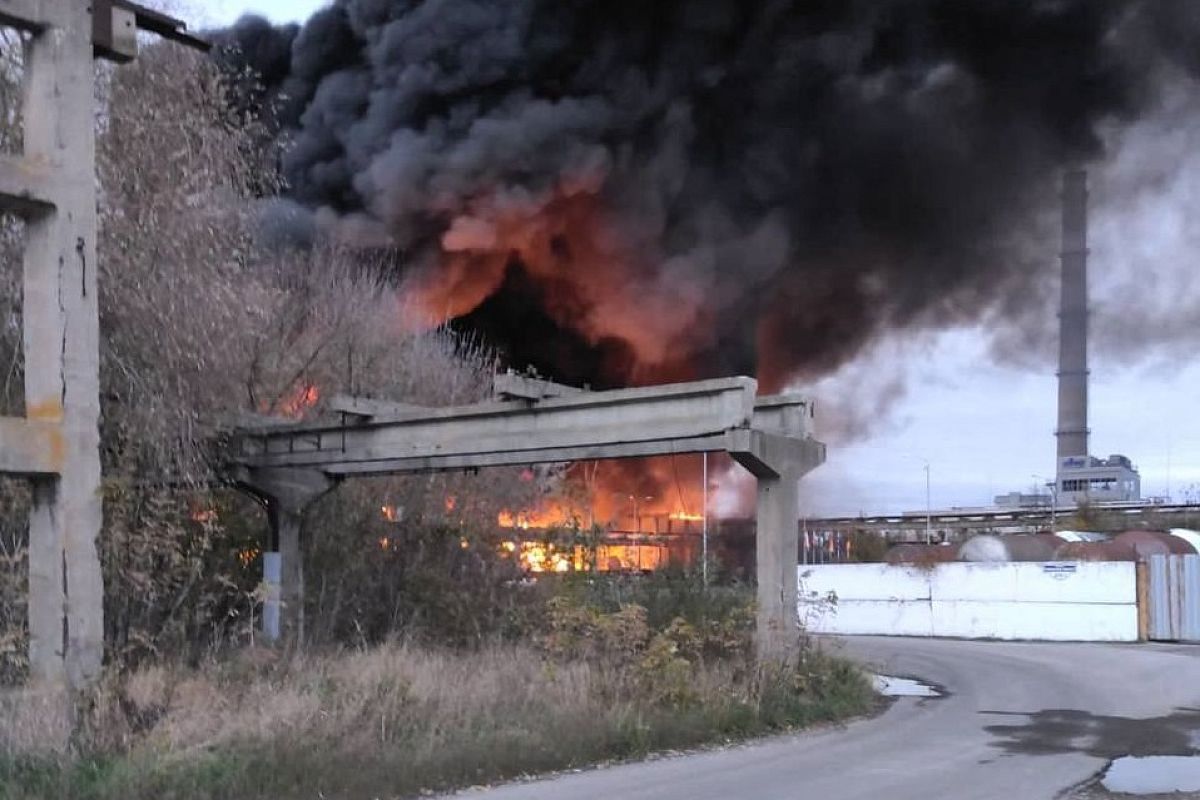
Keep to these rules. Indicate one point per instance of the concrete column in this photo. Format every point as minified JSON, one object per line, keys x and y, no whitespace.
{"x":778,"y":462}
{"x":288,"y":569}
{"x":287,"y":494}
{"x":778,"y":541}
{"x":272,"y":626}
{"x":66,"y":597}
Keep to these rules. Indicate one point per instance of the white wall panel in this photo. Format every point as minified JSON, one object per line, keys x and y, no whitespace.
{"x":1069,"y":601}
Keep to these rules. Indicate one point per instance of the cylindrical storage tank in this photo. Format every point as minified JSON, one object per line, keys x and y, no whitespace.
{"x":1014,"y":547}
{"x":1096,"y":551}
{"x":1189,"y":536}
{"x":983,"y":548}
{"x":1152,"y":543}
{"x":920,"y":554}
{"x":1032,"y":547}
{"x":1178,"y":544}
{"x":1081,"y":536}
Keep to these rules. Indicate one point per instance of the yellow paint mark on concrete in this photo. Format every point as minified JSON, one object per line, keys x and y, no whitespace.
{"x":44,"y":411}
{"x":56,"y":448}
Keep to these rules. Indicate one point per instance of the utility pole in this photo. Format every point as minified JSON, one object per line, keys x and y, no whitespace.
{"x":1052,"y":487}
{"x":1053,"y":506}
{"x":704,"y":528}
{"x":928,"y":509}
{"x":56,"y":444}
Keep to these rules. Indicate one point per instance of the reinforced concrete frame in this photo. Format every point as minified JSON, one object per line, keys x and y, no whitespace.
{"x":292,"y":465}
{"x":56,"y":444}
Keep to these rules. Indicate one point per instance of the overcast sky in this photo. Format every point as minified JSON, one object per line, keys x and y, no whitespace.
{"x":986,"y":428}
{"x":226,"y":11}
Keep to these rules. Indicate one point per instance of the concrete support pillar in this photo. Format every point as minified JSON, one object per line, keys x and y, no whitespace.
{"x":283,"y":573}
{"x":66,"y":597}
{"x":778,"y":542}
{"x":272,"y":620}
{"x":778,"y":462}
{"x":288,"y":493}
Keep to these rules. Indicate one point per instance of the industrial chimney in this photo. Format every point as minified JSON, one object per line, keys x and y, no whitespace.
{"x":1079,"y":477}
{"x":1073,"y":321}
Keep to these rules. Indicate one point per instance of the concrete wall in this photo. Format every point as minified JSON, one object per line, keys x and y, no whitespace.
{"x":1084,"y":601}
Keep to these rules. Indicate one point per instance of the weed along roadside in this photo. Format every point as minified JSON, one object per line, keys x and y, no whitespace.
{"x":667,"y":668}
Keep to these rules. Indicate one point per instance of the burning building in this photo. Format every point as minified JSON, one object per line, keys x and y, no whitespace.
{"x":634,"y":516}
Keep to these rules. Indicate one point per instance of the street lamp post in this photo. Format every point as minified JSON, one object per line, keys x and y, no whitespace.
{"x":637,"y":517}
{"x":928,"y":509}
{"x":1052,"y":487}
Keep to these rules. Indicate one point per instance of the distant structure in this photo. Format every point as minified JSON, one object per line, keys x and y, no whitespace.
{"x":1079,"y":476}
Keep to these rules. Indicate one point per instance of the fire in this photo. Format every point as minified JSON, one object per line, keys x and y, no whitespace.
{"x":638,"y":516}
{"x":451,"y":503}
{"x":650,"y":495}
{"x":594,"y":280}
{"x":391,"y":513}
{"x":299,"y":401}
{"x":552,"y":516}
{"x":543,"y":557}
{"x":538,"y":557}
{"x":204,"y":515}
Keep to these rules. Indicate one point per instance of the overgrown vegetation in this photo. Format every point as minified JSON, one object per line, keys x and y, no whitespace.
{"x":593,"y":683}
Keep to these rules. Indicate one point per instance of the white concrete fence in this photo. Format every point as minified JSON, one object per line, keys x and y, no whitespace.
{"x":1067,"y":601}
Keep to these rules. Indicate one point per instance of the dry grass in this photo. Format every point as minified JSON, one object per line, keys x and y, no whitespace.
{"x":386,"y":722}
{"x":35,"y":723}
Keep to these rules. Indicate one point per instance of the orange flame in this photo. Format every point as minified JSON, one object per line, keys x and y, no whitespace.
{"x":542,"y":557}
{"x":594,"y":278}
{"x":203,"y":515}
{"x":552,"y":516}
{"x":299,"y":401}
{"x":538,"y":557}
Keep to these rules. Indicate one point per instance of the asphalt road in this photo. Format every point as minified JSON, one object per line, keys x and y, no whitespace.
{"x":1021,"y":721}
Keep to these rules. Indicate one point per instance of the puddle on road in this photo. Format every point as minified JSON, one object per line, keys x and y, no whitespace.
{"x":1060,"y":730}
{"x":1153,"y":775}
{"x":890,"y":686}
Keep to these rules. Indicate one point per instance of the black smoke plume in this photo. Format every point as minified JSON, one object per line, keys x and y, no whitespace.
{"x":772,"y":183}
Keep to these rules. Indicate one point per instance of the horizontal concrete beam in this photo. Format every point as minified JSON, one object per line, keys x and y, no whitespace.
{"x":33,"y":15}
{"x":783,"y":414}
{"x":26,"y":188}
{"x":369,"y":408}
{"x":509,"y":385}
{"x":509,"y":458}
{"x":29,"y":447}
{"x":614,"y":424}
